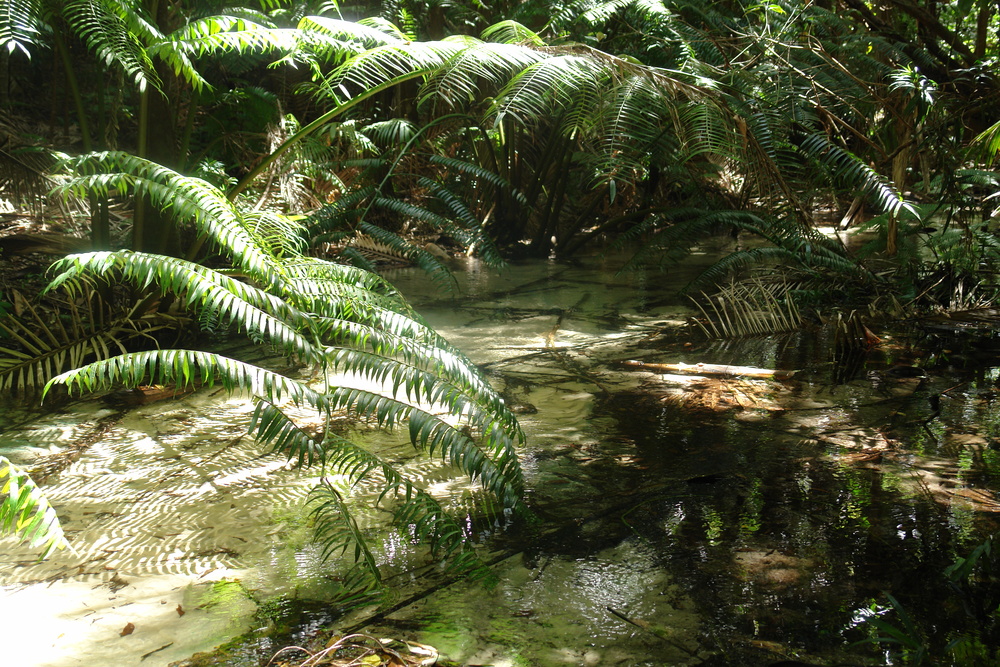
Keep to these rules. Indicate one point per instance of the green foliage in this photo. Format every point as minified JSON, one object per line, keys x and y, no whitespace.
{"x":749,"y":308}
{"x":25,"y":512}
{"x":349,"y":324}
{"x":39,"y":345}
{"x":905,"y":634}
{"x":971,"y":583}
{"x":20,"y":25}
{"x":121,"y":34}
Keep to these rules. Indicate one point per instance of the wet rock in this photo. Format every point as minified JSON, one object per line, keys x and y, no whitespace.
{"x":773,"y":568}
{"x":522,"y":408}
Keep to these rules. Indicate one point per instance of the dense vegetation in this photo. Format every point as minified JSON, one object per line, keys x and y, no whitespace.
{"x":242,"y":167}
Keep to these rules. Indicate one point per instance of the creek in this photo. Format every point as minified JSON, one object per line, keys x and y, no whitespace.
{"x":681,"y":519}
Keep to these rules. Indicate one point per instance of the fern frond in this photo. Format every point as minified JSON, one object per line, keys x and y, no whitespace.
{"x":341,"y":280}
{"x":20,"y":26}
{"x":542,"y":89}
{"x":187,"y":368}
{"x":479,"y":173}
{"x":423,"y":514}
{"x":202,"y":289}
{"x":386,"y":133}
{"x":26,"y":513}
{"x":469,"y":231}
{"x":511,"y":32}
{"x":854,"y":173}
{"x":749,"y":308}
{"x":47,"y":346}
{"x":185,"y":198}
{"x":272,"y":427}
{"x":382,"y":66}
{"x":223,"y":33}
{"x":492,"y":460}
{"x":431,"y":265}
{"x":118,"y":34}
{"x":337,"y":530}
{"x":360,"y":35}
{"x":476,"y":71}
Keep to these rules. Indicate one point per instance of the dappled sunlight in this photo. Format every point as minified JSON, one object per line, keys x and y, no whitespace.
{"x":667,"y":504}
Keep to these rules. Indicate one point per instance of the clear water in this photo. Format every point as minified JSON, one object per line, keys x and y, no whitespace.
{"x":726,"y":522}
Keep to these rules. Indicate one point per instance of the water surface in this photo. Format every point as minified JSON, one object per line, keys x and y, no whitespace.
{"x":715,"y":521}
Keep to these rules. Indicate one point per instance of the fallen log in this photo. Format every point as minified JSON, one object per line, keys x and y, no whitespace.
{"x":711,"y":369}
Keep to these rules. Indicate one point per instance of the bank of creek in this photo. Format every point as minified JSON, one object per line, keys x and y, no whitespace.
{"x":682,"y":519}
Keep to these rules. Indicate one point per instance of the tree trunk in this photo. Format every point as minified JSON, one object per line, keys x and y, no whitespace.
{"x":152,"y":231}
{"x":4,"y":79}
{"x":982,"y":29}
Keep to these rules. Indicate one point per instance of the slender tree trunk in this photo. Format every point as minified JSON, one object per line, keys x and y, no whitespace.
{"x":982,"y":29}
{"x":152,"y":231}
{"x":100,"y":228}
{"x":900,"y":165}
{"x":4,"y":79}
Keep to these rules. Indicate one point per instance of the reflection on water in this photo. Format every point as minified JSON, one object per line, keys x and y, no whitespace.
{"x":680,"y":521}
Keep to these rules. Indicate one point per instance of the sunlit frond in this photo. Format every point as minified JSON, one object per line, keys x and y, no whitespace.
{"x":20,"y":25}
{"x":26,"y":513}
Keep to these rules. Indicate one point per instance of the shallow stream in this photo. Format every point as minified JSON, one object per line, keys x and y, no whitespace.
{"x":682,"y":519}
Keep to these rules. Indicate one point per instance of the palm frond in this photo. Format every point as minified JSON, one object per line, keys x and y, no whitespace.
{"x":86,"y":327}
{"x":118,"y":34}
{"x":185,"y":198}
{"x":338,"y":531}
{"x":989,"y":139}
{"x":382,"y":66}
{"x":543,"y":88}
{"x":249,"y":308}
{"x":854,"y":173}
{"x":491,"y":460}
{"x":444,"y":378}
{"x":476,"y":71}
{"x":213,"y":34}
{"x":808,"y":258}
{"x":430,"y":264}
{"x":187,"y":368}
{"x":448,"y":538}
{"x":361,"y":35}
{"x":479,"y":173}
{"x":270,"y":426}
{"x":311,"y":278}
{"x":26,"y":513}
{"x":749,"y":308}
{"x":511,"y":32}
{"x":20,"y":25}
{"x":462,"y":225}
{"x":391,"y":132}
{"x":24,"y":170}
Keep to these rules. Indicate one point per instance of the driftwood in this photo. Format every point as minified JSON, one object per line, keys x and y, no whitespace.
{"x":149,"y":394}
{"x":711,"y":369}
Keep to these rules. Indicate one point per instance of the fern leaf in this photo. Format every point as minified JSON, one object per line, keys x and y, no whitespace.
{"x":26,"y":513}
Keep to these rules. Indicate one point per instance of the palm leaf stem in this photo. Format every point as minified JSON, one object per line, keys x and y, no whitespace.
{"x":320,"y":122}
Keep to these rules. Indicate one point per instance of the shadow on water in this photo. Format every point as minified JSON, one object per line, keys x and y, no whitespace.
{"x":700,"y":519}
{"x":718,"y":521}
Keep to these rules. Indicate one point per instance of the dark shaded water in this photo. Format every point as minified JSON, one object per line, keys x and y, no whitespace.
{"x":782,"y":514}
